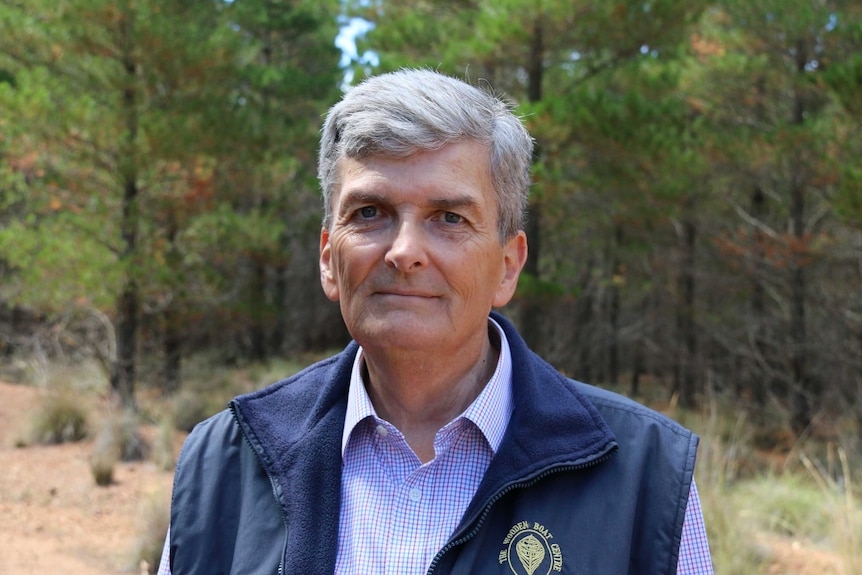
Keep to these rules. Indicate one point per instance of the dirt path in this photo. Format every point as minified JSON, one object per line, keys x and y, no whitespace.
{"x":53,"y":517}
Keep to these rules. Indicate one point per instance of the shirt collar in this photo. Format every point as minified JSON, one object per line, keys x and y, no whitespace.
{"x":490,"y":411}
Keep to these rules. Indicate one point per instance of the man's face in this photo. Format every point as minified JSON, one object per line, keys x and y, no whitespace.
{"x":413,"y":254}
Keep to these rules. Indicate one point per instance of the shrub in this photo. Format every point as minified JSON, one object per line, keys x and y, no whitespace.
{"x":163,"y":446}
{"x":103,"y":459}
{"x":132,"y":445}
{"x":59,"y":418}
{"x":190,"y":408}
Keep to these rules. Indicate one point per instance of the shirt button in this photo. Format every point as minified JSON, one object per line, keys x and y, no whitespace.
{"x":382,"y":431}
{"x":415,"y":495}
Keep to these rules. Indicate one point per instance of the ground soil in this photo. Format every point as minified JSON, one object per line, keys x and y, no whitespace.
{"x":55,"y":519}
{"x":53,"y":516}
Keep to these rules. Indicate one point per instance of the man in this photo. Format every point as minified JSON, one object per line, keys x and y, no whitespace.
{"x":436,"y":442}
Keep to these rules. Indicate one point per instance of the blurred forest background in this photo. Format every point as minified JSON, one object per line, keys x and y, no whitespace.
{"x":696,"y":216}
{"x":695,"y":221}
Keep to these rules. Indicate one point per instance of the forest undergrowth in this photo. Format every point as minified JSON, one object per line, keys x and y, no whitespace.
{"x":775,"y":503}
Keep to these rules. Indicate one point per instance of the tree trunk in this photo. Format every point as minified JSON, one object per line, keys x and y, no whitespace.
{"x":638,"y":366}
{"x":754,"y":374}
{"x":279,"y":296}
{"x":172,"y":338}
{"x":754,"y":369}
{"x":258,"y":312}
{"x":122,"y":378}
{"x":802,"y":394}
{"x":614,"y":308}
{"x":686,"y":333}
{"x":584,"y":325}
{"x":802,"y":409}
{"x":259,"y":302}
{"x":172,"y":348}
{"x":123,"y":372}
{"x":531,"y":316}
{"x":803,"y":390}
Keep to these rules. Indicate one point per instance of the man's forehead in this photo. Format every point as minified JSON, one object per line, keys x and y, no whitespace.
{"x":369,"y":172}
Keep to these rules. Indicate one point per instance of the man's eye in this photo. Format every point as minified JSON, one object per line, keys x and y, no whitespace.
{"x":368,"y":212}
{"x":452,"y":218}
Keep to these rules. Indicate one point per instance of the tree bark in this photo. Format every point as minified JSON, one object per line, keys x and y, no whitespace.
{"x":686,"y":332}
{"x":803,"y":389}
{"x":259,"y":306}
{"x":638,"y":366}
{"x":172,"y":348}
{"x":614,"y":308}
{"x":531,"y":317}
{"x":171,"y":334}
{"x":754,"y":375}
{"x":122,"y":378}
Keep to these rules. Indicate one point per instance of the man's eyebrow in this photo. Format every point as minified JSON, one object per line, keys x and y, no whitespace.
{"x":458,"y":202}
{"x":354,"y":197}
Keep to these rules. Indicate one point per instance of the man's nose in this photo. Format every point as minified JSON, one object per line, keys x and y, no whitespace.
{"x":408,"y":251}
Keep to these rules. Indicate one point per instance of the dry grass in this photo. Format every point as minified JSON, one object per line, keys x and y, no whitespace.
{"x":842,"y":510}
{"x":59,"y":418}
{"x":723,"y":448}
{"x":774,"y":515}
{"x":153,"y":520}
{"x":163,"y":452}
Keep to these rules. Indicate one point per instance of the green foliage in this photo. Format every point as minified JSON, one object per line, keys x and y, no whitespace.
{"x":55,"y":266}
{"x":126,"y":123}
{"x":848,"y":200}
{"x":531,"y":287}
{"x":793,"y":506}
{"x":176,"y":163}
{"x":845,"y":80}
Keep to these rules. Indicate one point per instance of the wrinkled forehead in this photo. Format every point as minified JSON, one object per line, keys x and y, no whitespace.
{"x":479,"y":152}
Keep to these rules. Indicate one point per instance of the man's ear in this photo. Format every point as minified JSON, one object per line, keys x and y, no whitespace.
{"x":327,"y":275}
{"x":514,"y":257}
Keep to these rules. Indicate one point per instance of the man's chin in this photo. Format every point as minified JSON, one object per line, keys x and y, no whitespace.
{"x":401,"y":330}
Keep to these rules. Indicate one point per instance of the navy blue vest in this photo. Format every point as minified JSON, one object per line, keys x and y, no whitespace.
{"x":585,"y":481}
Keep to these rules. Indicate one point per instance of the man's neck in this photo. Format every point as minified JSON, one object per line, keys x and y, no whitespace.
{"x":420,"y":393}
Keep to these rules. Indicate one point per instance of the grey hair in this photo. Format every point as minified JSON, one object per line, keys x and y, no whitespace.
{"x":401,"y":113}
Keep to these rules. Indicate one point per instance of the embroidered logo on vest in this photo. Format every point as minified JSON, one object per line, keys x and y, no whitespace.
{"x":528,"y":550}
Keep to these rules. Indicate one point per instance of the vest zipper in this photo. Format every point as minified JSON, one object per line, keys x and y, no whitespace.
{"x":271,"y":484}
{"x":477,"y":524}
